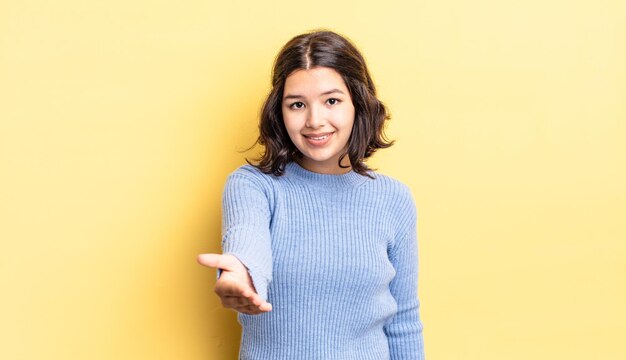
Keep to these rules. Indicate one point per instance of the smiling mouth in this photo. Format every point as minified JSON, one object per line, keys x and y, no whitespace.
{"x":319,"y":141}
{"x":320,"y":137}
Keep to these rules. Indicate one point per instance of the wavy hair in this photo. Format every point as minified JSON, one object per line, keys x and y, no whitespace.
{"x":328,"y":49}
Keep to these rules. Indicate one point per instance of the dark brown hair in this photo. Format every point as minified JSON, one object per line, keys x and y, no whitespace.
{"x":329,"y":49}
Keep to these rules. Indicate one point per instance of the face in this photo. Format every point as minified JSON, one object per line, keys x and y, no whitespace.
{"x":318,"y":114}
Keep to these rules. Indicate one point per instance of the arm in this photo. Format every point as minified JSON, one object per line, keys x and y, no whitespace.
{"x":245,"y":228}
{"x":404,"y":331}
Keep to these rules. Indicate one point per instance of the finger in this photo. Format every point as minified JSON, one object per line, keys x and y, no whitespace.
{"x":232,"y":287}
{"x":244,"y":311}
{"x":208,"y":259}
{"x":235,"y":301}
{"x":217,"y":261}
{"x":260,"y":303}
{"x":256,"y":300}
{"x":255,"y":309}
{"x":250,"y":309}
{"x":265,"y":307}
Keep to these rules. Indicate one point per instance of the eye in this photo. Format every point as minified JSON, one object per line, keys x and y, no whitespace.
{"x":333,"y":101}
{"x":297,"y":105}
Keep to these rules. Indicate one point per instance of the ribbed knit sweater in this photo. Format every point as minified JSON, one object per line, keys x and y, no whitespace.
{"x":335,"y":255}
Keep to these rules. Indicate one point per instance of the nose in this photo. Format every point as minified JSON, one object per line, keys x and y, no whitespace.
{"x":315,"y":118}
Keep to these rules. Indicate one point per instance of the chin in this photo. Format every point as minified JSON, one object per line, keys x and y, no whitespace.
{"x":318,"y":158}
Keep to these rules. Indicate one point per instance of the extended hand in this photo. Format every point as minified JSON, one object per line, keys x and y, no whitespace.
{"x":234,"y":286}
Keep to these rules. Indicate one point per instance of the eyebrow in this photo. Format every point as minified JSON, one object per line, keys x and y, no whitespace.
{"x":292,"y":96}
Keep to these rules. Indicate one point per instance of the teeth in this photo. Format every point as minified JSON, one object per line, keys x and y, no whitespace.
{"x":320,"y":138}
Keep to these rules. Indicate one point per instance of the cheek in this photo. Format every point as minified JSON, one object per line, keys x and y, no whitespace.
{"x":293,"y":122}
{"x":347,"y":117}
{"x":292,"y":127}
{"x":287,"y":120}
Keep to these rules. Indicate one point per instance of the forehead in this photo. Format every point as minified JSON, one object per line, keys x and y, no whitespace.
{"x":314,"y":79}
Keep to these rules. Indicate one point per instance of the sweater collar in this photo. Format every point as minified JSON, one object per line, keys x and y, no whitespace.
{"x":349,"y":179}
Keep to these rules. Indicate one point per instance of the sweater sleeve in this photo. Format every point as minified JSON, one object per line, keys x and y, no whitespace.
{"x":404,"y":331}
{"x":246,"y":228}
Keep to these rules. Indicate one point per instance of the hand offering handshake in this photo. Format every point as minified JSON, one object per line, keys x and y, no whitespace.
{"x":234,"y":286}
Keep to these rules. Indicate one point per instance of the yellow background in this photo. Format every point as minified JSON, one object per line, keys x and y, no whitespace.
{"x":119,"y":122}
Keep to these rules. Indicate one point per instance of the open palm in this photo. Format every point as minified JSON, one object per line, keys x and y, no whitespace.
{"x":234,"y":286}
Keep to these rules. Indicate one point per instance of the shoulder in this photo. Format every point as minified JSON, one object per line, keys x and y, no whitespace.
{"x":251,"y":176}
{"x":248,"y":170}
{"x":392,"y":186}
{"x":398,"y":197}
{"x":251,"y":172}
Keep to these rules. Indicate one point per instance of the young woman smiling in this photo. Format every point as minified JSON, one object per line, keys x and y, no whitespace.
{"x":320,"y":251}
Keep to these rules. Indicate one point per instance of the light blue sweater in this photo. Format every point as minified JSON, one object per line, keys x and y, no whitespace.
{"x":335,"y":255}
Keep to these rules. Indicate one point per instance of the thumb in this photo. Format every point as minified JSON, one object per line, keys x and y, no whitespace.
{"x":217,"y":261}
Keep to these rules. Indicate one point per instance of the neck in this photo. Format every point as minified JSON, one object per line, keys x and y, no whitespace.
{"x":330,"y":167}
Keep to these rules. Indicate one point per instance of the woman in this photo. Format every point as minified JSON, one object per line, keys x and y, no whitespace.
{"x":320,"y":251}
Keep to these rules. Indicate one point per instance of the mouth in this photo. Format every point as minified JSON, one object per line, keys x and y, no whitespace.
{"x":320,"y":136}
{"x":319,"y":139}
